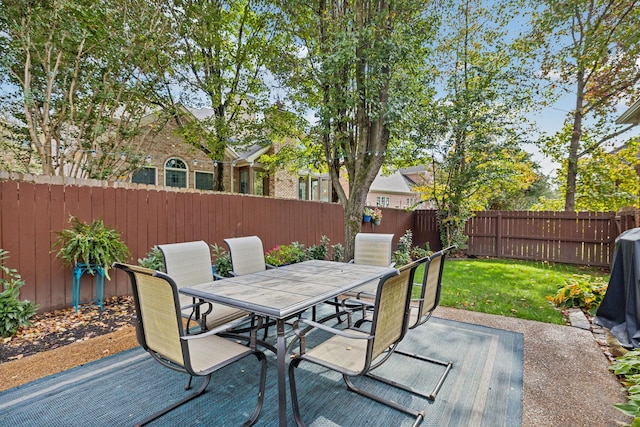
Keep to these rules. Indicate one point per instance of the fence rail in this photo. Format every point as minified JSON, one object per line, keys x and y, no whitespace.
{"x":584,"y":238}
{"x":31,"y":211}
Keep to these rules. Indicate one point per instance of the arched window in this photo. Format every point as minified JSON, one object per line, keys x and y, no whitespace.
{"x":175,"y":173}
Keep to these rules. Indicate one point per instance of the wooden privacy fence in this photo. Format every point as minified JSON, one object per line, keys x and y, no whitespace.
{"x":583,"y":238}
{"x":31,"y":213}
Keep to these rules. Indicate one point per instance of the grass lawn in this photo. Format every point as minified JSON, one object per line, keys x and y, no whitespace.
{"x":507,"y":287}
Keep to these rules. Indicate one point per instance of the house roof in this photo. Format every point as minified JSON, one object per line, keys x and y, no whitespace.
{"x":252,"y":154}
{"x":200,"y":113}
{"x":631,"y":116}
{"x":394,"y":183}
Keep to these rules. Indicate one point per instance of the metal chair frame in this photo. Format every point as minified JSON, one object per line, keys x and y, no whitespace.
{"x":430,"y":290}
{"x":173,"y":348}
{"x":371,"y":347}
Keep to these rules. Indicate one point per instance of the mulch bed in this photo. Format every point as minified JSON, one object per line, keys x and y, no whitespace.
{"x":61,"y":327}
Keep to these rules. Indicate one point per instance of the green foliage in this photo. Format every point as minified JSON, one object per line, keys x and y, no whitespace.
{"x":320,"y":251}
{"x":14,"y":313}
{"x":92,"y":244}
{"x":469,"y":136}
{"x":507,"y":287}
{"x":581,"y":290}
{"x":154,"y":260}
{"x":628,"y":367}
{"x":418,"y":252}
{"x":338,"y":252}
{"x":83,"y":62}
{"x":406,"y":252}
{"x":285,"y":254}
{"x":607,"y":180}
{"x":588,"y":49}
{"x":222,"y":260}
{"x":402,"y":255}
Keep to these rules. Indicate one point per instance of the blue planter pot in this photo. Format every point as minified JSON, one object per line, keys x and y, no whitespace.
{"x":366,"y":218}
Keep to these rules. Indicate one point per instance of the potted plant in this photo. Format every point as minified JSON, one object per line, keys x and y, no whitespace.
{"x":367,"y":214}
{"x":92,"y":245}
{"x":376,"y":216}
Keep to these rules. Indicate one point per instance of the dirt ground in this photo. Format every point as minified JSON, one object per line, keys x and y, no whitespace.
{"x":21,"y":371}
{"x":63,"y":339}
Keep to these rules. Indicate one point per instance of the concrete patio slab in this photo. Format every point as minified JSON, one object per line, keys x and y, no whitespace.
{"x":566,"y":376}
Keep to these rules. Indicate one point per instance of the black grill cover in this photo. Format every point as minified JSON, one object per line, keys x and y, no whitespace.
{"x":619,"y":309}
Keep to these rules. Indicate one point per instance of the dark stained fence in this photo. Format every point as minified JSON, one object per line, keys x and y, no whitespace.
{"x":425,"y":229}
{"x":584,"y":238}
{"x":31,"y":213}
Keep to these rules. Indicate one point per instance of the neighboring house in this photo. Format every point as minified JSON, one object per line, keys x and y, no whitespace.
{"x":397,"y":190}
{"x":173,"y":163}
{"x":631,"y":116}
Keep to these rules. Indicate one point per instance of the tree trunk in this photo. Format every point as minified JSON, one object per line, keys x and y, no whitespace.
{"x":572,"y":159}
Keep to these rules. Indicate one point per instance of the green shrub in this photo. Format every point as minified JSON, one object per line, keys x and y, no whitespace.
{"x":418,"y":252}
{"x":320,"y":251}
{"x":222,"y":260}
{"x":628,"y":367}
{"x":14,"y":313}
{"x":402,"y":255}
{"x":581,"y":290}
{"x":285,"y":254}
{"x":154,"y":260}
{"x":338,"y":252}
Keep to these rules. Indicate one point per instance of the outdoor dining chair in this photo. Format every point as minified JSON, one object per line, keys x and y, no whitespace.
{"x":372,"y":249}
{"x":160,"y":332}
{"x":247,"y":255}
{"x":189,"y":263}
{"x":368,"y":249}
{"x":355,"y":351}
{"x":426,"y":299}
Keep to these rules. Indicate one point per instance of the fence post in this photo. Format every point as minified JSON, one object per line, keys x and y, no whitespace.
{"x":498,"y":234}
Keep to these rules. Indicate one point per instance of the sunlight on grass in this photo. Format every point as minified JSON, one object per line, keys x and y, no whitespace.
{"x":507,"y":287}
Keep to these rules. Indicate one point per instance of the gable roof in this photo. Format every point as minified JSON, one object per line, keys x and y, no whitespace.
{"x":631,"y":116}
{"x":394,"y":183}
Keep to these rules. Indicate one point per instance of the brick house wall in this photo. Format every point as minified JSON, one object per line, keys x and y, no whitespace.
{"x":242,"y":172}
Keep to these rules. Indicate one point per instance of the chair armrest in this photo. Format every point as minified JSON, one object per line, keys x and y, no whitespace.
{"x":269,"y":266}
{"x":328,"y":329}
{"x":216,"y":276}
{"x":197,"y":304}
{"x":223,"y":328}
{"x":356,"y":301}
{"x":360,"y":294}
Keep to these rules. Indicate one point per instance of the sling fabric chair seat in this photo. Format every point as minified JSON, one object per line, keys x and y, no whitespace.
{"x":421,"y":309}
{"x":161,"y":332}
{"x":188,"y":264}
{"x":369,"y":249}
{"x":247,"y":257}
{"x":355,"y":351}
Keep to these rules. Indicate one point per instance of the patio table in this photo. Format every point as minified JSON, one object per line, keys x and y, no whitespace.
{"x":284,"y":292}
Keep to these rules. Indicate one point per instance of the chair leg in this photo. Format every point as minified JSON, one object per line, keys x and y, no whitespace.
{"x":188,"y":386}
{"x":431,"y":396}
{"x":180,"y":402}
{"x":294,"y":394}
{"x":418,"y":415}
{"x":263,"y":380}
